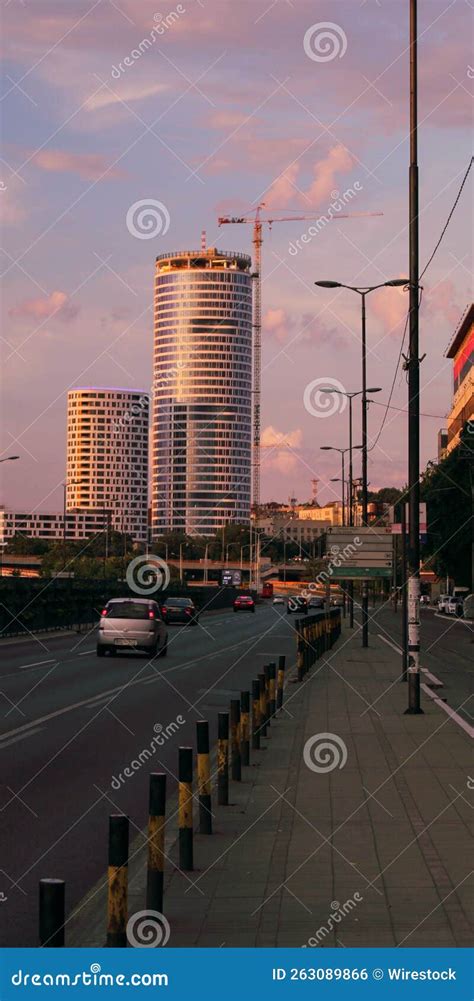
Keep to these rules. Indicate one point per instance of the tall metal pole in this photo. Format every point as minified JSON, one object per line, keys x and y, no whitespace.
{"x":365,"y":589}
{"x":351,"y":511}
{"x":403,"y":520}
{"x":414,"y":392}
{"x":343,"y":489}
{"x":351,"y":514}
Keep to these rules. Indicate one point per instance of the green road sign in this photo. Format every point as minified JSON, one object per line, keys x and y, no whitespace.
{"x":355,"y":573}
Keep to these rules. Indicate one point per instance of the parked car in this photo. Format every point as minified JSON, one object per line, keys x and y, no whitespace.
{"x":296,"y":603}
{"x":180,"y":610}
{"x":132,"y":623}
{"x":454,"y":606}
{"x":425,"y":599}
{"x":442,"y":602}
{"x":244,"y":603}
{"x":278,"y":600}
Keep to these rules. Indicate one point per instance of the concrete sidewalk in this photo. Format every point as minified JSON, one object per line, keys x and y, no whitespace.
{"x":364,"y":843}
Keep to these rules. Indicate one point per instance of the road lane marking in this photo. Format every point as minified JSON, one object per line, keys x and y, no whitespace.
{"x":84,"y":652}
{"x":112,"y":691}
{"x":451,"y":712}
{"x":20,"y":736}
{"x":433,"y":679}
{"x":36,"y":663}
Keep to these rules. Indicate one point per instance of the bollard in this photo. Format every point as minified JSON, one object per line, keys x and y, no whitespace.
{"x":272,"y":692}
{"x":156,"y":842}
{"x":204,"y":777}
{"x":263,"y":706}
{"x":51,"y":912}
{"x":281,"y":681}
{"x":245,"y":727}
{"x":236,"y":761}
{"x":299,"y":652}
{"x":223,"y":759}
{"x":185,"y":808}
{"x":117,"y":903}
{"x":266,"y":672}
{"x":414,"y":707}
{"x":255,"y":715}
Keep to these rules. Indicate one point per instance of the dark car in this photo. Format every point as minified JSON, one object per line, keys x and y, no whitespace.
{"x":180,"y":610}
{"x":316,"y":603}
{"x":244,"y":603}
{"x":296,"y":603}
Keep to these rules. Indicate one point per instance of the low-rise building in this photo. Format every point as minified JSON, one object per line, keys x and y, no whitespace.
{"x":43,"y":525}
{"x":461,"y":350}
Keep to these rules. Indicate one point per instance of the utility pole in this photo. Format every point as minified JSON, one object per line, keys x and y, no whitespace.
{"x":403,"y":519}
{"x":365,"y":586}
{"x":413,"y":365}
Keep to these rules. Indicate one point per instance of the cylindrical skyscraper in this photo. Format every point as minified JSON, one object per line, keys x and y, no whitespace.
{"x":107,"y":456}
{"x":201,"y":430}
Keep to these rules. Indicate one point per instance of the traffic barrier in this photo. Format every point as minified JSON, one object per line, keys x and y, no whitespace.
{"x":236,"y":761}
{"x":266,"y":672}
{"x":280,"y":682}
{"x":117,"y":876}
{"x":223,"y":759}
{"x":156,"y":842}
{"x":315,"y":634}
{"x":271,"y":690}
{"x":255,"y":715}
{"x":185,"y":808}
{"x":204,"y":777}
{"x":263,"y":706}
{"x":245,"y":728}
{"x":51,"y":912}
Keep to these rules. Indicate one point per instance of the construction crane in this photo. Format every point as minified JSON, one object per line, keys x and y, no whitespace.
{"x":258,"y":222}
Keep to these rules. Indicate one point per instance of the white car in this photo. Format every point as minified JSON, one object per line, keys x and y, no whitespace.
{"x":442,"y":602}
{"x":454,"y":606}
{"x":132,"y":623}
{"x":278,"y":600}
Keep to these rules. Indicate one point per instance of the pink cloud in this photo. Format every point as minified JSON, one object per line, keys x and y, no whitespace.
{"x":390,"y":306}
{"x":57,"y":304}
{"x":90,"y":166}
{"x":278,"y":449}
{"x":441,"y":301}
{"x":322,"y":188}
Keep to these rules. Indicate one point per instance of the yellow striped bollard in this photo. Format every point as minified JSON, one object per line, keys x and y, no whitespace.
{"x":117,"y":876}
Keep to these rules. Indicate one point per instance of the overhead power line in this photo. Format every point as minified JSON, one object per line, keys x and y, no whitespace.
{"x":438,"y":243}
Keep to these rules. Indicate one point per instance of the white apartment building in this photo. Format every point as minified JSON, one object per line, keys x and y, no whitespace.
{"x":107,"y":456}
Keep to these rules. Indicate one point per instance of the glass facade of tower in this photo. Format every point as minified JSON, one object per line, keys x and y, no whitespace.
{"x":201,"y":430}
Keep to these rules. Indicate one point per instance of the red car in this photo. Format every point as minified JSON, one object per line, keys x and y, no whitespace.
{"x":244,"y":603}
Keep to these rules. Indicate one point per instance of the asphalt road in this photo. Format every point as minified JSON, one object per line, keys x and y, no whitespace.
{"x":70,"y":723}
{"x":446,"y":651}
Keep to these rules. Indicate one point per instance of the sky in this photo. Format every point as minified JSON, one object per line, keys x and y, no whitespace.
{"x":211,"y":107}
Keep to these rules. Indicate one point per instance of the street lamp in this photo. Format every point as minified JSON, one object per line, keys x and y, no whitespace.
{"x":9,"y":458}
{"x":342,"y":452}
{"x":350,"y":396}
{"x":69,"y":483}
{"x":363,"y":292}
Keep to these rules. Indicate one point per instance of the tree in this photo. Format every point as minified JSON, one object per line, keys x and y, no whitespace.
{"x":446,"y":488}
